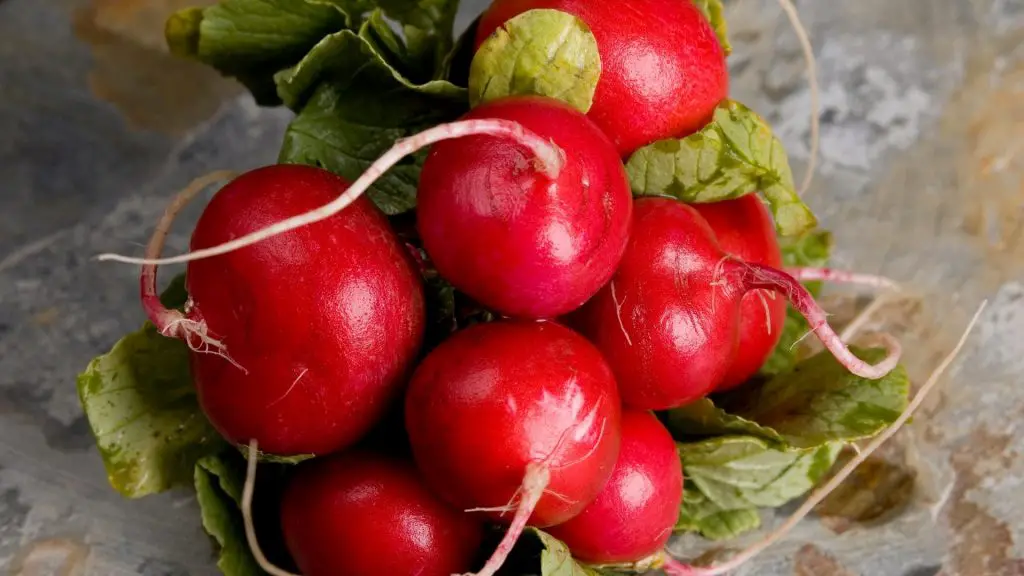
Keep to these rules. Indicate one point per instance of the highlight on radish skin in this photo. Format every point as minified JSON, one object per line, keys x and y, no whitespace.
{"x":678,"y":296}
{"x":674,"y":567}
{"x":512,"y":415}
{"x":549,"y":159}
{"x":297,"y":319}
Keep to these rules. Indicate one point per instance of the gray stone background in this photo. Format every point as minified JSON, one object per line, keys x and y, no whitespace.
{"x":922,"y":179}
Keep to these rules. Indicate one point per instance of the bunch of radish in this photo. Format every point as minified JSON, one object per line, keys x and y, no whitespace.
{"x":306,"y":318}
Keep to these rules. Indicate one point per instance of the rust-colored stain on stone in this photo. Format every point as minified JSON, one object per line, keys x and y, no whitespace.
{"x":982,"y":545}
{"x":134,"y":71}
{"x":877,"y":491}
{"x":812,"y":561}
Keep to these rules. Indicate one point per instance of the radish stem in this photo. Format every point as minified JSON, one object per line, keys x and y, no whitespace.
{"x":842,"y":277}
{"x":250,"y":529}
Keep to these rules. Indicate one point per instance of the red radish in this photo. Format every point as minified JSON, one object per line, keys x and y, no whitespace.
{"x":515,"y":410}
{"x":362,"y":514}
{"x":303,"y":341}
{"x":633,"y":517}
{"x":669,"y":320}
{"x":663,"y":71}
{"x":744,"y":230}
{"x":515,"y":240}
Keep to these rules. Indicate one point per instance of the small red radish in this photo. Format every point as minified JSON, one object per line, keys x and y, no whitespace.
{"x":632,"y":518}
{"x":303,"y":341}
{"x":362,"y":514}
{"x":669,"y":321}
{"x":663,"y":71}
{"x":515,"y":410}
{"x":515,"y":240}
{"x":744,"y":230}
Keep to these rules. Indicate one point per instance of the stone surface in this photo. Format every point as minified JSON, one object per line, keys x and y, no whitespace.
{"x":922,"y":179}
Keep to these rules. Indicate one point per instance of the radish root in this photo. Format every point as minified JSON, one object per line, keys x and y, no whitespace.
{"x":842,"y":277}
{"x":549,"y":157}
{"x":250,"y":529}
{"x":757,"y":276}
{"x":535,"y":483}
{"x":172,"y":323}
{"x":812,"y":81}
{"x":675,"y":568}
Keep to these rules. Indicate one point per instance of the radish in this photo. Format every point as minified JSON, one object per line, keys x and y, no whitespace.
{"x":301,"y":342}
{"x":515,"y":410}
{"x":663,"y":71}
{"x":744,"y":230}
{"x":516,"y":241}
{"x":632,"y":518}
{"x":529,"y":216}
{"x":363,"y":514}
{"x":669,"y":321}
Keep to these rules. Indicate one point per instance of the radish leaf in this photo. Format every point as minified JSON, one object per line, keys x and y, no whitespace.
{"x":715,"y":13}
{"x":143,"y":410}
{"x":542,"y":52}
{"x":734,"y":155}
{"x":556,"y":559}
{"x":703,"y":418}
{"x":741,"y":472}
{"x":218,"y":484}
{"x":699,"y":514}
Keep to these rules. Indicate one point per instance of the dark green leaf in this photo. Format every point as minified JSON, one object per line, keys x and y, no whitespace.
{"x":143,"y":410}
{"x":251,"y":40}
{"x":741,"y":472}
{"x":219,"y":483}
{"x":821,"y":401}
{"x":544,"y":52}
{"x":715,"y":13}
{"x":699,"y":514}
{"x":427,"y":26}
{"x":735,"y":154}
{"x":455,"y":67}
{"x":812,"y":249}
{"x":344,"y":128}
{"x":703,"y":418}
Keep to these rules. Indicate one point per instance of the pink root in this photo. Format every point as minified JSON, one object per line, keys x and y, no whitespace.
{"x":535,"y":482}
{"x":673,"y":567}
{"x":549,"y":160}
{"x":842,"y":277}
{"x":757,"y":276}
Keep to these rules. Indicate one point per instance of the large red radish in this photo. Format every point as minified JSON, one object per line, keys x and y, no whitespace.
{"x":663,"y":71}
{"x":669,"y":321}
{"x":516,"y":420}
{"x":303,"y":341}
{"x":632,"y":518}
{"x":363,"y":514}
{"x":517,"y":241}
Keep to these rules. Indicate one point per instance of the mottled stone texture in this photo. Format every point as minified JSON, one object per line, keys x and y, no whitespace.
{"x":921,"y":179}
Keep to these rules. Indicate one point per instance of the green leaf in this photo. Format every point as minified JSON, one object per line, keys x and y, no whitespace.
{"x":735,"y":154}
{"x":344,"y":128}
{"x":556,"y":559}
{"x":703,"y":418}
{"x":812,"y":249}
{"x":143,"y":410}
{"x":820,"y":401}
{"x":343,"y":59}
{"x":251,"y":40}
{"x":427,"y":26}
{"x":715,"y":13}
{"x":543,"y":52}
{"x":741,"y":472}
{"x":218,"y":483}
{"x":265,"y":458}
{"x":699,"y":514}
